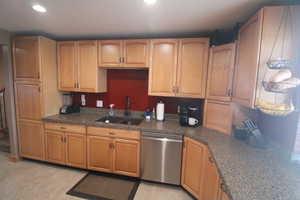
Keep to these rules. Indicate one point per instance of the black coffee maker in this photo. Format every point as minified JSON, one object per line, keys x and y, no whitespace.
{"x":190,"y":115}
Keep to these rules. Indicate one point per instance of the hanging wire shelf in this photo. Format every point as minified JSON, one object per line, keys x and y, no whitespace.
{"x":279,"y":64}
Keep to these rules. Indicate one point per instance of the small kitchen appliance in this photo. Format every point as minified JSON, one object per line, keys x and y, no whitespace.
{"x":190,"y":115}
{"x":68,"y":107}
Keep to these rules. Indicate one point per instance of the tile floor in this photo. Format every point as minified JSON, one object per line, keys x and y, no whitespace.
{"x":30,"y":180}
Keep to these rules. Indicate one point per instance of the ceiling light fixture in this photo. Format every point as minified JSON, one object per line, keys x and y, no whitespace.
{"x":39,"y":8}
{"x":150,"y":2}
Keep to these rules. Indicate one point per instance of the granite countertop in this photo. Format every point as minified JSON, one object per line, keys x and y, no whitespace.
{"x":248,"y":173}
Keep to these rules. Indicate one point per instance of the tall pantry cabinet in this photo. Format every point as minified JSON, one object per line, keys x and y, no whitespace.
{"x":36,"y":94}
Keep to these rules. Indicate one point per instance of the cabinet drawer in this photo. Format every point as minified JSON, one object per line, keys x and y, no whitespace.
{"x":115,"y":133}
{"x":65,"y":127}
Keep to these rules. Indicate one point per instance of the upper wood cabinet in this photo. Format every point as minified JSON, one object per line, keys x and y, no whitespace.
{"x":192,"y":67}
{"x":31,"y":139}
{"x":26,"y":57}
{"x":178,"y":67}
{"x":246,"y":69}
{"x":67,"y":61}
{"x":220,"y":72}
{"x":256,"y":41}
{"x":214,"y":113}
{"x":162,"y":74}
{"x":193,"y":163}
{"x":78,"y":70}
{"x":110,"y":53}
{"x":123,"y":53}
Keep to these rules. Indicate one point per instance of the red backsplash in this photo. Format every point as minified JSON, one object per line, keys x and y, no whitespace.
{"x":132,"y":83}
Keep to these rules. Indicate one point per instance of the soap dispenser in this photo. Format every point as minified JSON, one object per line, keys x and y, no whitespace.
{"x":111,"y":110}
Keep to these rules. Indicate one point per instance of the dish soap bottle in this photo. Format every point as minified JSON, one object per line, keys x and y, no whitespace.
{"x":111,"y":110}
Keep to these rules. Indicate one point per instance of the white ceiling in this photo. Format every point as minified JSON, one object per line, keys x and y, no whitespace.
{"x":91,"y":18}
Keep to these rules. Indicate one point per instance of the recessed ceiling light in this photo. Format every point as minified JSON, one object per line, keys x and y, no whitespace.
{"x":39,"y":8}
{"x":150,"y":2}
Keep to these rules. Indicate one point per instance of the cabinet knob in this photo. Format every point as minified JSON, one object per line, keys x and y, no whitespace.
{"x":120,"y":60}
{"x":211,"y":160}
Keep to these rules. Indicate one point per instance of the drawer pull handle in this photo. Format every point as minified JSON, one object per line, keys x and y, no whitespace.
{"x":110,"y":133}
{"x":211,"y":160}
{"x":63,"y":128}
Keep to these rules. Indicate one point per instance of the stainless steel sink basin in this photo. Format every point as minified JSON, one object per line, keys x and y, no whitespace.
{"x":120,"y":120}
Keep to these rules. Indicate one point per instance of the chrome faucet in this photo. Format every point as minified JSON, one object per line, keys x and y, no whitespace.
{"x":127,"y":112}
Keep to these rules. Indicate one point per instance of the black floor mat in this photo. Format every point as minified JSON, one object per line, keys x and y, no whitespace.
{"x":101,"y":186}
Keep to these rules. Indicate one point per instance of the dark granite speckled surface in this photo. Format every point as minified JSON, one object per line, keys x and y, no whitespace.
{"x":248,"y":173}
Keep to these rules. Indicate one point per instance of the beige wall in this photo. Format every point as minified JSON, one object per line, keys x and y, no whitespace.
{"x":1,"y":70}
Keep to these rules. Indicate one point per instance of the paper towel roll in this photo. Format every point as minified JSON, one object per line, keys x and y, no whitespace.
{"x":160,"y":111}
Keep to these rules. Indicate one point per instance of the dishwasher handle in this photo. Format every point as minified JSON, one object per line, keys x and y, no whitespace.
{"x":162,"y":139}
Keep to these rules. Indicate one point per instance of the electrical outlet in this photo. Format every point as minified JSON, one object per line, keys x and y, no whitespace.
{"x":99,"y":104}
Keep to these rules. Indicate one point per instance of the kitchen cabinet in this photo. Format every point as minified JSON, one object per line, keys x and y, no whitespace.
{"x":35,"y":84}
{"x":126,"y":157}
{"x":211,"y":180}
{"x":64,"y":147}
{"x":192,"y":68}
{"x":26,"y":57}
{"x":114,"y":150}
{"x":67,"y":66}
{"x":218,"y":116}
{"x":29,"y":100}
{"x":99,"y":153}
{"x":178,"y":67}
{"x":78,"y":70}
{"x":254,"y":46}
{"x":31,"y":139}
{"x":123,"y":53}
{"x":247,"y":61}
{"x":55,"y":147}
{"x":163,"y":64}
{"x":193,"y":164}
{"x":220,"y":72}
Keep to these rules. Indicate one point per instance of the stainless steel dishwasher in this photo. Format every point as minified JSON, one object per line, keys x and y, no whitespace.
{"x":161,"y":157}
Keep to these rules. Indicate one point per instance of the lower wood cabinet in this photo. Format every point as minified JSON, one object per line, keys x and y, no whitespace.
{"x":193,"y":166}
{"x":31,"y":139}
{"x":210,"y":190}
{"x":65,"y":148}
{"x":200,"y":175}
{"x":126,"y":157}
{"x":110,"y":151}
{"x":99,"y":153}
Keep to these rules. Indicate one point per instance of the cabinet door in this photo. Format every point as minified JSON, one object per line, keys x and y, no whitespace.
{"x":55,"y":147}
{"x":26,"y":58}
{"x":136,"y":53}
{"x":75,"y":150}
{"x":31,"y":137}
{"x":193,"y":166}
{"x":127,"y":157}
{"x":192,"y":68}
{"x":211,"y":180}
{"x":246,"y":69}
{"x":163,"y":63}
{"x":109,"y":53}
{"x":218,"y":116}
{"x":28,"y":101}
{"x":87,"y":66}
{"x":220,"y":72}
{"x":67,"y":66}
{"x":99,"y":153}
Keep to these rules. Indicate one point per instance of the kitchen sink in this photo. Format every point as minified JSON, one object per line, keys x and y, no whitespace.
{"x":120,"y":120}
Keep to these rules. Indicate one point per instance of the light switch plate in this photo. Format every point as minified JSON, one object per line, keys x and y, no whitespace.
{"x":99,"y":103}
